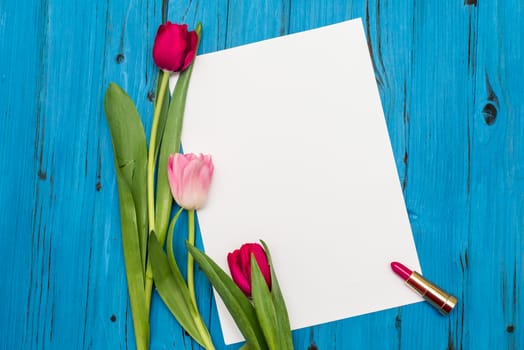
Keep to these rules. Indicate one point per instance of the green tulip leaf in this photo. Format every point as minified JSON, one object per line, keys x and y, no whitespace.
{"x":264,"y":307}
{"x":282,"y":318}
{"x":134,"y":272}
{"x":171,"y":144}
{"x":162,"y":118}
{"x":173,"y":289}
{"x":129,"y":145}
{"x":234,"y":299}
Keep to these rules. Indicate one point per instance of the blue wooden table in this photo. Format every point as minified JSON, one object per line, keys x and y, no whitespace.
{"x":451,"y":79}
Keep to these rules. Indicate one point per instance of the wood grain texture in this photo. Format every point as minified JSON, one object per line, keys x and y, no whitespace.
{"x":450,"y":76}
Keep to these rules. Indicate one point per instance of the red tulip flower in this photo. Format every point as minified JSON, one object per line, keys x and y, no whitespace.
{"x":239,"y":262}
{"x":174,"y":47}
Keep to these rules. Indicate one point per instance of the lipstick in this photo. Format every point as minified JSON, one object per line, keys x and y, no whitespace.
{"x":441,"y":300}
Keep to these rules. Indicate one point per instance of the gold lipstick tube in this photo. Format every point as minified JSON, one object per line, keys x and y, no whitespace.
{"x":441,"y":300}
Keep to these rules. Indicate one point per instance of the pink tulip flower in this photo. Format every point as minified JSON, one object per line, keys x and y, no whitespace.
{"x":189,"y":177}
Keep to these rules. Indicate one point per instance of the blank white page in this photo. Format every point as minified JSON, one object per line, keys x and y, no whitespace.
{"x":303,"y":161}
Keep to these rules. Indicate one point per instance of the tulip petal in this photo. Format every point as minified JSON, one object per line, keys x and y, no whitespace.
{"x":192,"y":194}
{"x":237,"y":273}
{"x":192,"y":42}
{"x":171,"y":176}
{"x":245,"y":261}
{"x":177,"y":48}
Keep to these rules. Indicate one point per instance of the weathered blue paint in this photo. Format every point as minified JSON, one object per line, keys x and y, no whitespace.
{"x":450,"y":75}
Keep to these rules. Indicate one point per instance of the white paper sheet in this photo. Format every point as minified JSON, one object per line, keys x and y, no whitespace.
{"x":303,"y":161}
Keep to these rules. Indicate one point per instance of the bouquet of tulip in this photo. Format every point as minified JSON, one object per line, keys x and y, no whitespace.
{"x":260,"y":313}
{"x":145,"y":221}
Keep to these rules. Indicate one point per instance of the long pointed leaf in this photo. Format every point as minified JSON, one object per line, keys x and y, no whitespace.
{"x":129,"y":145}
{"x":171,"y":144}
{"x":282,"y":318}
{"x":264,"y":307}
{"x":236,"y":302}
{"x":134,"y":272}
{"x":173,"y":289}
{"x":163,"y":112}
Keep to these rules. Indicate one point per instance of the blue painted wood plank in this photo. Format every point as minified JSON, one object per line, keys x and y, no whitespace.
{"x":495,"y":240}
{"x":438,"y":89}
{"x":450,"y":79}
{"x":22,"y":86}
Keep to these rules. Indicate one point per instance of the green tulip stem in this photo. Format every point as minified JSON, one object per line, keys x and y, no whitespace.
{"x":151,"y":159}
{"x":190,"y":264}
{"x":208,"y":343}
